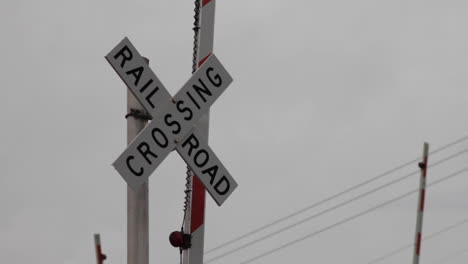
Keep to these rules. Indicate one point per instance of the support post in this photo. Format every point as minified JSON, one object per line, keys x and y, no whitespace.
{"x":420,"y":206}
{"x":137,"y":200}
{"x":100,"y":257}
{"x":194,"y":223}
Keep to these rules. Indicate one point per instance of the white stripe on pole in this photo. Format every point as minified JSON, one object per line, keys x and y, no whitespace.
{"x":194,"y":222}
{"x":420,"y":207}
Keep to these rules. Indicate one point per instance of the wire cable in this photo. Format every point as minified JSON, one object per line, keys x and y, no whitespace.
{"x":452,"y":256}
{"x":271,"y":234}
{"x":350,"y":218}
{"x":354,"y":187}
{"x":411,"y":245}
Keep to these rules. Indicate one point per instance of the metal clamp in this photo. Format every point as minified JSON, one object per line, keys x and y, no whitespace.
{"x":422,"y":165}
{"x":138,"y":114}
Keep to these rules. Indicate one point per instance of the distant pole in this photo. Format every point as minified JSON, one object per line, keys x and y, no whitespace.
{"x":420,"y":207}
{"x":97,"y":245}
{"x":195,"y":216}
{"x":137,"y":200}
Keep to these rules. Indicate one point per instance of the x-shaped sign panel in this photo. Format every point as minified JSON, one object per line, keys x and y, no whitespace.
{"x":173,"y":121}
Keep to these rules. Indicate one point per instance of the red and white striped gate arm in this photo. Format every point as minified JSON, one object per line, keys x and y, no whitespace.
{"x":420,"y":208}
{"x":97,"y":244}
{"x":195,"y":220}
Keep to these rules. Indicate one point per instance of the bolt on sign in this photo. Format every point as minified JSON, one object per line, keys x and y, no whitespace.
{"x":173,"y":121}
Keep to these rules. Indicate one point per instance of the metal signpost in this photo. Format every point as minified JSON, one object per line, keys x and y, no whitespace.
{"x":137,"y":200}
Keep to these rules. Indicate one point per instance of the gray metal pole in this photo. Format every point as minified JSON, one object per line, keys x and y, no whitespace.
{"x":420,"y":208}
{"x":137,"y":201}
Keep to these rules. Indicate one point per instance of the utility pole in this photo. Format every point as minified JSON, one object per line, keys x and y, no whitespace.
{"x":420,"y":207}
{"x":137,"y":200}
{"x":194,"y":222}
{"x":97,"y":245}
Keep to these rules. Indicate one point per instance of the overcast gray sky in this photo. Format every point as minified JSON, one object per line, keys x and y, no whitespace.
{"x":326,"y":94}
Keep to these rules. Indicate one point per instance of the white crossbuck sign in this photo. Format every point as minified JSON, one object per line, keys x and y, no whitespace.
{"x":173,"y":121}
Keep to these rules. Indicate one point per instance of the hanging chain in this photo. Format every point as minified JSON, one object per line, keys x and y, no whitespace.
{"x":189,"y":176}
{"x":196,"y":31}
{"x":188,"y":190}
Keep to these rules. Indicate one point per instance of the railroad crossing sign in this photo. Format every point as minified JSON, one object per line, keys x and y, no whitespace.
{"x":173,"y":121}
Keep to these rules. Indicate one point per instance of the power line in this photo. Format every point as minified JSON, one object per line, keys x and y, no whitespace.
{"x":410,"y":245}
{"x":452,"y":256}
{"x":349,"y":218}
{"x":271,"y":234}
{"x":354,"y":187}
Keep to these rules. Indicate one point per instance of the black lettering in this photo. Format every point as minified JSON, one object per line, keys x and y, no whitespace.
{"x":204,"y":160}
{"x":142,"y":89}
{"x":137,"y":72}
{"x":139,"y":173}
{"x":184,"y":109}
{"x":125,"y":58}
{"x":217,"y":81}
{"x":218,"y":184}
{"x":157,"y":130}
{"x":200,"y":90}
{"x":148,"y":97}
{"x":172,"y":123}
{"x":193,"y":142}
{"x":211,"y":172}
{"x":145,"y":152}
{"x":193,"y":100}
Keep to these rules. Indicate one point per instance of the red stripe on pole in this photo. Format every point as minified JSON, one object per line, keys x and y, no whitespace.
{"x":203,"y":60}
{"x":100,"y":256}
{"x":423,"y":194}
{"x":205,"y":2}
{"x":425,"y":167}
{"x":418,"y":246}
{"x":198,"y":204}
